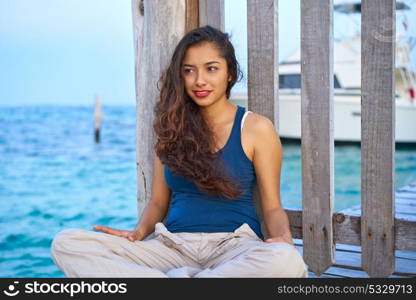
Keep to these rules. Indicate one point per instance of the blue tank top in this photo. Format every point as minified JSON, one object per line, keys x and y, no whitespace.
{"x":192,"y":210}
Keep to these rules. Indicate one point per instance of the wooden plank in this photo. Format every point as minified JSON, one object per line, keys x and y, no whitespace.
{"x":405,"y":233}
{"x":347,"y":272}
{"x":348,"y":263}
{"x":317,"y":132}
{"x":353,"y":261}
{"x":377,"y":136}
{"x":398,"y":253}
{"x":263,"y":78}
{"x":211,"y":12}
{"x":409,"y":205}
{"x":410,"y":192}
{"x":192,"y":15}
{"x":324,"y":275}
{"x":166,"y":21}
{"x":405,"y":208}
{"x":406,"y":196}
{"x":347,"y":230}
{"x":263,"y":57}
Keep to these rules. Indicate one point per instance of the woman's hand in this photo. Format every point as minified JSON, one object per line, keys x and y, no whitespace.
{"x":131,"y":235}
{"x":280,"y":239}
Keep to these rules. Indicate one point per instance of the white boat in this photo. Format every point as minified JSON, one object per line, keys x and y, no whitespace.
{"x":347,"y":82}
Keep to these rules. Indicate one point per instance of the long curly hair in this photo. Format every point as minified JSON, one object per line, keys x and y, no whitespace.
{"x":184,"y":140}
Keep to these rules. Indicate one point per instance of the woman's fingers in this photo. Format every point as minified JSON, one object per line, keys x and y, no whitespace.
{"x":133,"y":236}
{"x":279,"y":240}
{"x":130,"y":235}
{"x":109,"y":230}
{"x":102,"y":228}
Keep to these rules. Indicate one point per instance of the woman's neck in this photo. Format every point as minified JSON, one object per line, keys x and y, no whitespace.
{"x":219,"y":113}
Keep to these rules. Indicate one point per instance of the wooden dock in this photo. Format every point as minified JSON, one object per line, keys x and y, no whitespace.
{"x":348,"y":258}
{"x":376,"y":234}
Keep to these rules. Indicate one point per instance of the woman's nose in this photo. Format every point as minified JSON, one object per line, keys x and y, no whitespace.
{"x":200,"y":80}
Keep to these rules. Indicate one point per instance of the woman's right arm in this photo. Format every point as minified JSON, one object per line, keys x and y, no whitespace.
{"x":157,"y":208}
{"x":154,"y":212}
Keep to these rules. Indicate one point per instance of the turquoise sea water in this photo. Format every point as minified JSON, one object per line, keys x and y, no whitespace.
{"x":54,"y":176}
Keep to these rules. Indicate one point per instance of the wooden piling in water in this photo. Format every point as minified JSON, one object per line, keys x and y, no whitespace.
{"x":97,"y":118}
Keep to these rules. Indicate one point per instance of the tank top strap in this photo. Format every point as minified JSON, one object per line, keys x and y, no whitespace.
{"x":235,"y":138}
{"x":243,"y":119}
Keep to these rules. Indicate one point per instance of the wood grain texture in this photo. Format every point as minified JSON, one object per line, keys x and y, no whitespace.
{"x":347,"y":230}
{"x":377,"y":136}
{"x":262,"y":43}
{"x":192,"y":15}
{"x":348,"y":262}
{"x":166,"y":21}
{"x":263,"y":57}
{"x":317,"y":132}
{"x":211,"y":12}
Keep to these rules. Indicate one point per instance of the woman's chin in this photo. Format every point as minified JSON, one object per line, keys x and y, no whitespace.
{"x":203,"y":102}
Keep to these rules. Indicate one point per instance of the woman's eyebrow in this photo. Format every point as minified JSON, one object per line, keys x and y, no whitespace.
{"x":208,"y":63}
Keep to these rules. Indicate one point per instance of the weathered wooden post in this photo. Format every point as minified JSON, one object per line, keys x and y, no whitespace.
{"x":192,"y":15}
{"x":317,"y":133}
{"x":158,"y":25}
{"x":211,"y":12}
{"x":263,"y":77}
{"x":378,"y":136}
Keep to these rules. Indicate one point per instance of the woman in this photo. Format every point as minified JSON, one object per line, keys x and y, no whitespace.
{"x":206,"y":164}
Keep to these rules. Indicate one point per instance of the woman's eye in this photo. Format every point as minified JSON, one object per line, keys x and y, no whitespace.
{"x":209,"y":68}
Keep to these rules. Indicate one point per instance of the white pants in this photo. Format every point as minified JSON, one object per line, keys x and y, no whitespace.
{"x":84,"y":253}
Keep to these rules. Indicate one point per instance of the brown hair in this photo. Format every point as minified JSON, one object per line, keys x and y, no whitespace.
{"x":184,"y":141}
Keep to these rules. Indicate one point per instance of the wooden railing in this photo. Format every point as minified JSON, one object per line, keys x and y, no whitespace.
{"x":377,"y":231}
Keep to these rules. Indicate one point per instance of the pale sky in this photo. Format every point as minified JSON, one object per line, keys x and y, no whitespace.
{"x":66,"y":51}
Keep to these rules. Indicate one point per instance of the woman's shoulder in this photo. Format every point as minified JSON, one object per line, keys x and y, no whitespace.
{"x":258,"y":124}
{"x":258,"y":133}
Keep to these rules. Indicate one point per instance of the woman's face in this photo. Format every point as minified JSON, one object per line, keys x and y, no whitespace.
{"x":205,"y":74}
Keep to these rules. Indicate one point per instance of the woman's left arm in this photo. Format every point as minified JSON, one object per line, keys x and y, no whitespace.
{"x":267,"y":162}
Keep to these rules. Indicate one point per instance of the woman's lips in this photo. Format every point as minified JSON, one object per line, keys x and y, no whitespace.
{"x":201,"y":94}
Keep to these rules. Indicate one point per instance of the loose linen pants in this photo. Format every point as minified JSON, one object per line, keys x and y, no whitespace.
{"x":85,"y":253}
